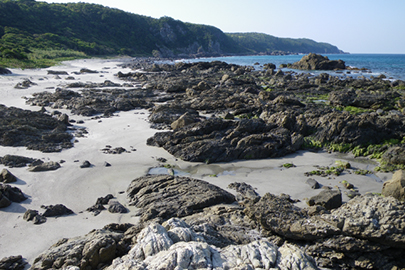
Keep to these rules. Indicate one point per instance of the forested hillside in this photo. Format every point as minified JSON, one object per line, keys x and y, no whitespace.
{"x":261,"y":43}
{"x":33,"y":32}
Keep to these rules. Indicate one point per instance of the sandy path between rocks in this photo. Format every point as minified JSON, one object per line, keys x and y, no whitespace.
{"x":79,"y":188}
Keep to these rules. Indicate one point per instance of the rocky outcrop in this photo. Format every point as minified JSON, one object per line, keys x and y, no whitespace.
{"x":92,"y":251}
{"x":165,"y":196}
{"x":314,"y":61}
{"x":395,"y":187}
{"x":175,"y":245}
{"x":56,"y":210}
{"x":13,"y":263}
{"x":9,"y":194}
{"x":34,"y":130}
{"x":217,"y":140}
{"x":17,"y":161}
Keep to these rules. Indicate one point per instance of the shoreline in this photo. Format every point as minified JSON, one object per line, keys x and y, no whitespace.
{"x":79,"y":188}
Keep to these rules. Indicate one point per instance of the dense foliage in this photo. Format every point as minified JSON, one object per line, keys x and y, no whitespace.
{"x":34,"y":31}
{"x":262,"y":43}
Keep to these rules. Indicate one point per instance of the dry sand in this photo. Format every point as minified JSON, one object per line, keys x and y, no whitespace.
{"x":79,"y":188}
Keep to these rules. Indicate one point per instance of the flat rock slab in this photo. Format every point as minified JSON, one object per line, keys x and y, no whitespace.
{"x":165,"y":196}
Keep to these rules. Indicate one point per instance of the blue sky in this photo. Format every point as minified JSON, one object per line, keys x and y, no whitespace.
{"x":356,"y":26}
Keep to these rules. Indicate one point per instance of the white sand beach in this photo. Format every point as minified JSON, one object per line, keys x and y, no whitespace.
{"x":78,"y":188}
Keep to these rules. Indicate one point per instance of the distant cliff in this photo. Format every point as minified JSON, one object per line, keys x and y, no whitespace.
{"x":30,"y":29}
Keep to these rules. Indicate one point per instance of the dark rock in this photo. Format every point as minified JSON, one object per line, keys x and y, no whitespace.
{"x":165,"y":196}
{"x":86,"y":164}
{"x":46,"y":166}
{"x":4,"y":71}
{"x":328,"y":198}
{"x":30,"y":214}
{"x":13,"y":263}
{"x":24,"y":84}
{"x":7,"y":177}
{"x":269,"y":66}
{"x":394,"y":155}
{"x":34,"y":216}
{"x":117,"y":150}
{"x":93,"y":251}
{"x":395,"y":187}
{"x":217,"y":140}
{"x":86,"y":70}
{"x":312,"y":183}
{"x":16,"y":161}
{"x":57,"y":72}
{"x":35,"y":130}
{"x":116,"y":207}
{"x":106,"y":164}
{"x":10,"y":194}
{"x":105,"y":199}
{"x":318,"y":62}
{"x":56,"y":210}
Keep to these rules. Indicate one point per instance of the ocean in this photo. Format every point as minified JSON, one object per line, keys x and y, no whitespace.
{"x":391,"y":65}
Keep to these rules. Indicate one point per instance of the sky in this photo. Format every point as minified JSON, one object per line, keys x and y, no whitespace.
{"x":354,"y":26}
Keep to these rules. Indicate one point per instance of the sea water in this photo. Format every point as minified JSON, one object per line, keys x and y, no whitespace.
{"x":391,"y":65}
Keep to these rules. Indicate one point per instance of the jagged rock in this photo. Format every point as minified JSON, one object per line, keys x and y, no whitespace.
{"x":178,"y":247}
{"x":223,"y":225}
{"x":34,"y":130}
{"x":86,"y":70}
{"x":217,"y":140}
{"x":56,"y":210}
{"x":328,"y":198}
{"x":372,"y":217}
{"x":46,"y":166}
{"x":7,"y":177}
{"x":116,"y":207}
{"x":13,"y":263}
{"x":10,"y":194}
{"x":95,"y":249}
{"x":318,"y":62}
{"x":165,"y":196}
{"x":245,"y":191}
{"x":394,"y":155}
{"x":396,"y":186}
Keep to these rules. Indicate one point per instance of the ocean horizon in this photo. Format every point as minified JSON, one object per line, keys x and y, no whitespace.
{"x":390,"y":65}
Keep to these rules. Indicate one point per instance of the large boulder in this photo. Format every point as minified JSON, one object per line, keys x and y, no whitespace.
{"x":165,"y":196}
{"x":314,"y":61}
{"x":395,"y":187}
